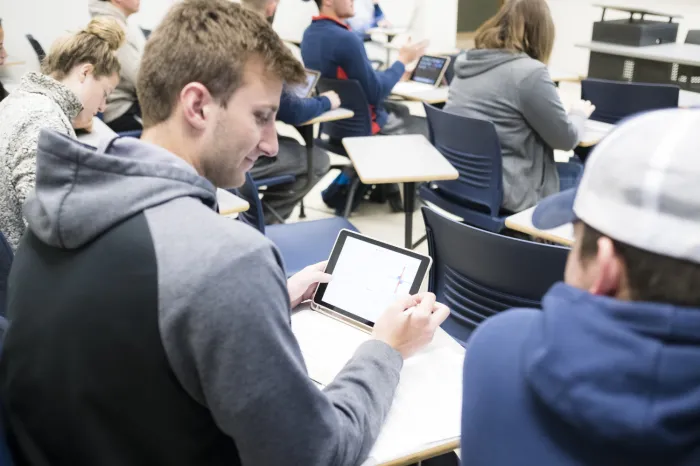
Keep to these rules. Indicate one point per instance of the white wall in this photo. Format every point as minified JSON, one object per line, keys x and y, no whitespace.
{"x":574,"y":21}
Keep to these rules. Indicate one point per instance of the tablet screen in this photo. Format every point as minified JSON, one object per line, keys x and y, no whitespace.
{"x":304,"y":90}
{"x":368,"y":276}
{"x":429,"y":69}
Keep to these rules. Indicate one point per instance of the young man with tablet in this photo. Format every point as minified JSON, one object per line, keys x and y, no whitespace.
{"x":148,"y":329}
{"x":295,"y":108}
{"x":607,"y":372}
{"x":330,"y":47}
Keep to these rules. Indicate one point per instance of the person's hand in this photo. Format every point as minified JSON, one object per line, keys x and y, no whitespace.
{"x":583,"y":106}
{"x":301,"y":286}
{"x":333,"y":97}
{"x":409,"y":324}
{"x":411,"y":52}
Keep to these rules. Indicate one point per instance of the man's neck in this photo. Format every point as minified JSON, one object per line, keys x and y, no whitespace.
{"x":331,"y":15}
{"x":124,"y":11}
{"x":164,"y":136}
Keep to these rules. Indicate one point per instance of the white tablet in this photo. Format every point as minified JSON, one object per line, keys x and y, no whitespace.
{"x":368,"y":276}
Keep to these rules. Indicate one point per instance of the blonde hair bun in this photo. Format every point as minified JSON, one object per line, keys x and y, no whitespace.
{"x":108,"y":30}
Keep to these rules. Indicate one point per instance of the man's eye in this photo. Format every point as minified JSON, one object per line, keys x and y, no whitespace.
{"x":262,"y":119}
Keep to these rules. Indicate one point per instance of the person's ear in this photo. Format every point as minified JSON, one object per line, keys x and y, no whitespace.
{"x":197,"y":105}
{"x":84,"y":71}
{"x":609,"y":270}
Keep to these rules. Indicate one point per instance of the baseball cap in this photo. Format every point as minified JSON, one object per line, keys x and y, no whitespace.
{"x":641,"y":186}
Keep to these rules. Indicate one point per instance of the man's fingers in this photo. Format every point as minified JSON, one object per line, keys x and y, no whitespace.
{"x":402,"y":303}
{"x":439,"y":315}
{"x":320,"y":266}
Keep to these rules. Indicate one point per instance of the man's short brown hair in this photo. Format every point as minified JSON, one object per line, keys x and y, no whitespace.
{"x":209,"y":42}
{"x":652,"y":277}
{"x":256,"y":5}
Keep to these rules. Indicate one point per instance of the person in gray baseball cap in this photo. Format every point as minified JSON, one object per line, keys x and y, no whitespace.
{"x":608,"y":371}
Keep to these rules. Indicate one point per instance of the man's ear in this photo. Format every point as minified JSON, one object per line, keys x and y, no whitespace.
{"x":196,"y":102}
{"x":609,"y":270}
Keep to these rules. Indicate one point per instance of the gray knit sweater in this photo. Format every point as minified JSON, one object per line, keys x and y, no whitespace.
{"x":39,"y":102}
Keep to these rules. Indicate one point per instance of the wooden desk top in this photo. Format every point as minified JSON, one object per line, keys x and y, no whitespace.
{"x":387,"y":31}
{"x":595,"y":132}
{"x":559,"y":76}
{"x":683,"y":54}
{"x":331,"y":115}
{"x":229,"y":203}
{"x":14,"y":63}
{"x":522,"y":222}
{"x":397,"y":159}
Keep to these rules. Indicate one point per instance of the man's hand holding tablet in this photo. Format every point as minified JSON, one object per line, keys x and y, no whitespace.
{"x":410,"y":323}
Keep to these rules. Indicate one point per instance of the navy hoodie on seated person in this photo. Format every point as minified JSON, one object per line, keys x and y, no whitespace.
{"x":331,"y":48}
{"x":589,"y":380}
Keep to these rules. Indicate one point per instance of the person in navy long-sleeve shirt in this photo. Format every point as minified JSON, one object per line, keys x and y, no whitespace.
{"x":330,"y":47}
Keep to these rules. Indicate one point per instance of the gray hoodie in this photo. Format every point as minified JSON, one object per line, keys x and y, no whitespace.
{"x":129,"y":55}
{"x":223,"y":322}
{"x":516,"y":94}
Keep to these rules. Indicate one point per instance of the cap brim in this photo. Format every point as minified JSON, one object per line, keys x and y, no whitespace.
{"x":555,"y":211}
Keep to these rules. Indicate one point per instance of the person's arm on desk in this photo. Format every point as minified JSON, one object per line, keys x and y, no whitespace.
{"x":295,"y":111}
{"x":233,"y":350}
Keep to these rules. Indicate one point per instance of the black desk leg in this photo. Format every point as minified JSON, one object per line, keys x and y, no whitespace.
{"x":307,"y":132}
{"x":409,"y":206}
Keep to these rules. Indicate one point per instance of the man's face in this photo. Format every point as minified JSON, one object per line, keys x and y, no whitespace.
{"x":344,"y":9}
{"x":131,"y":6}
{"x":271,"y":9}
{"x":244,"y":130}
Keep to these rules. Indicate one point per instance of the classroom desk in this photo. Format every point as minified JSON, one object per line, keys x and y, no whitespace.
{"x":14,"y":63}
{"x":407,"y":159}
{"x":390,"y":34}
{"x":688,"y":99}
{"x":416,"y":428}
{"x":522,"y":222}
{"x":683,"y":54}
{"x":228,"y":203}
{"x":439,"y":95}
{"x":595,"y":132}
{"x":306,"y":130}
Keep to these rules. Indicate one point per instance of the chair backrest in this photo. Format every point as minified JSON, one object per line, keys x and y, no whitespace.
{"x":5,"y":458}
{"x":616,"y":100}
{"x":254,"y":216}
{"x":473,"y":148}
{"x":38,"y":49}
{"x":450,"y":71}
{"x":693,"y":37}
{"x":478,"y":273}
{"x":353,"y":98}
{"x":6,"y":257}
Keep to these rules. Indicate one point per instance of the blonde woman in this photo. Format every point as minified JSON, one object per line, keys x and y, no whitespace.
{"x":77,"y":75}
{"x":505,"y":80}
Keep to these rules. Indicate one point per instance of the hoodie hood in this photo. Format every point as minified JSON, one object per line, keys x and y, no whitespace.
{"x":82,"y":192}
{"x":627,"y":372}
{"x":475,"y":62}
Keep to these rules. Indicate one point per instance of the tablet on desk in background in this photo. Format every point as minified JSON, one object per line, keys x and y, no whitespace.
{"x":305,"y":90}
{"x":428,"y":74}
{"x":368,"y":276}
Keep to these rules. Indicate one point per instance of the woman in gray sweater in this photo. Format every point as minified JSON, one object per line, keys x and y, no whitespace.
{"x":505,"y":81}
{"x":78,"y":74}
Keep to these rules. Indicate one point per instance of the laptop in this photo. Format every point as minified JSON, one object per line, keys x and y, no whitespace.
{"x":428,"y":75}
{"x":306,"y":90}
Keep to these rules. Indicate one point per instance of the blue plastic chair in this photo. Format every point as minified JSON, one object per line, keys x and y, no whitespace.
{"x":5,"y":458}
{"x":473,"y":148}
{"x":301,"y":244}
{"x":479,"y":274}
{"x":615,"y":100}
{"x":6,"y":258}
{"x":263,"y":183}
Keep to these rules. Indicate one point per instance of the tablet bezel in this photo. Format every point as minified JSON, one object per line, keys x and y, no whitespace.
{"x":440,"y":79}
{"x":426,"y":263}
{"x":317,"y":77}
